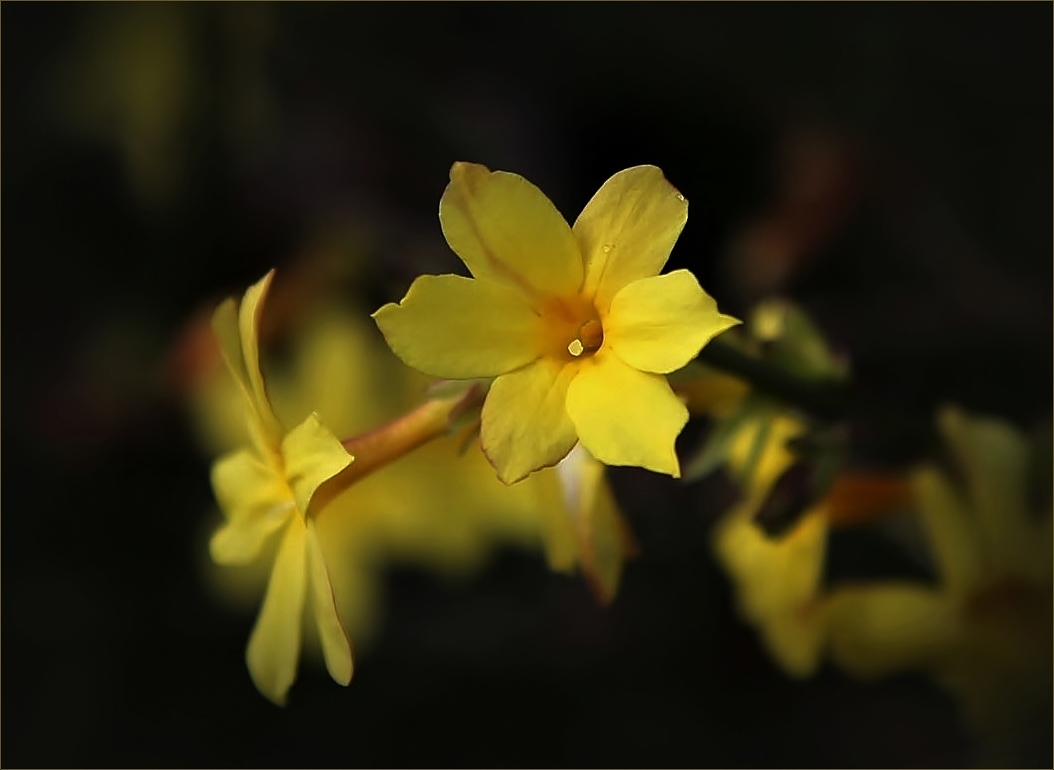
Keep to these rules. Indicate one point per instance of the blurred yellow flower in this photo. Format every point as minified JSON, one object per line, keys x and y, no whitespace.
{"x":266,"y":489}
{"x":579,"y":522}
{"x":575,"y":323}
{"x":779,"y":334}
{"x":777,"y":580}
{"x":984,"y":631}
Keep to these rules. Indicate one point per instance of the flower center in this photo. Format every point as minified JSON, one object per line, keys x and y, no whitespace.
{"x":588,"y":340}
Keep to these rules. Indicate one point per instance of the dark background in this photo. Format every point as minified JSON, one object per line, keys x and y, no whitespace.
{"x":895,"y":158}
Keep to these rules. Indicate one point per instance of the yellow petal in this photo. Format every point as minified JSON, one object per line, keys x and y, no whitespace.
{"x":628,"y":229}
{"x":544,"y":493}
{"x":579,"y":474}
{"x":237,"y":331}
{"x":312,"y":457}
{"x":249,"y":329}
{"x":225,"y":327}
{"x":659,"y":324}
{"x":624,"y":416}
{"x":879,"y":630}
{"x":460,"y":328}
{"x":558,"y":536}
{"x":778,"y":583}
{"x":274,"y":647}
{"x":350,"y":536}
{"x":239,"y":541}
{"x":795,"y":641}
{"x":505,"y":229}
{"x":336,"y":649}
{"x":994,"y":462}
{"x":525,"y":425}
{"x":255,"y":501}
{"x":951,"y":530}
{"x":219,"y":408}
{"x":598,"y":522}
{"x":772,"y":434}
{"x":606,"y":555}
{"x":243,"y":482}
{"x":773,"y":577}
{"x":345,"y":372}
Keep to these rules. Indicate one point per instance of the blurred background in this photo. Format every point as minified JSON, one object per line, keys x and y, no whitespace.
{"x":886,"y":166}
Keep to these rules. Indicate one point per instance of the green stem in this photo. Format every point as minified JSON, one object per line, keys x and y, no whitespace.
{"x":825,"y":400}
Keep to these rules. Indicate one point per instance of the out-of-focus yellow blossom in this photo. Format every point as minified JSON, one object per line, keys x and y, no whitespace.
{"x":583,"y":526}
{"x":266,"y":490}
{"x":777,"y":580}
{"x":781,"y":335}
{"x":778,"y":576}
{"x":984,"y":631}
{"x":575,"y":323}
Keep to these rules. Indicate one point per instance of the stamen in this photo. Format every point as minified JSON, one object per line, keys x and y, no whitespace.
{"x":590,"y":338}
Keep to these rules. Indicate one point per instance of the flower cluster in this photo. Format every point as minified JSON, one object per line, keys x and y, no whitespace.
{"x":568,"y":351}
{"x":983,"y":631}
{"x":437,"y":507}
{"x":576,"y":328}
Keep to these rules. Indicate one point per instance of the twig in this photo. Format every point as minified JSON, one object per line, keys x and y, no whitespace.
{"x":825,"y":400}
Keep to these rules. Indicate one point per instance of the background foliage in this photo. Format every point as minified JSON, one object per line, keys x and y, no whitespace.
{"x":888,"y":166}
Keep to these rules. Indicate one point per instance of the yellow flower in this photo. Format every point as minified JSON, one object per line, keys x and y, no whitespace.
{"x":267,"y":489}
{"x":985,"y":631}
{"x":575,"y":323}
{"x":777,"y":580}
